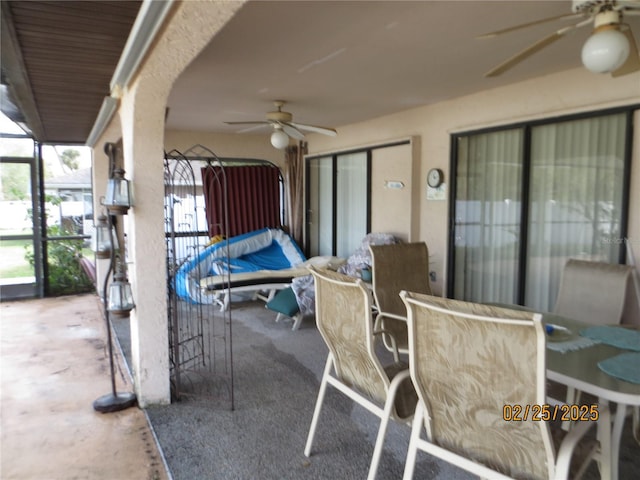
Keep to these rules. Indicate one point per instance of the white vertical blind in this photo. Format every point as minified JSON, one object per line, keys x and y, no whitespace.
{"x":320,"y":206}
{"x":488,"y":180}
{"x":576,"y":187}
{"x":575,"y":201}
{"x":351,"y":198}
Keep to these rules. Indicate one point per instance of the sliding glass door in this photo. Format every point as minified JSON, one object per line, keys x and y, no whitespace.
{"x":351,"y":202}
{"x":337,"y":203}
{"x":320,"y":206}
{"x":576,"y":199}
{"x":488,"y":216}
{"x":527,"y":198}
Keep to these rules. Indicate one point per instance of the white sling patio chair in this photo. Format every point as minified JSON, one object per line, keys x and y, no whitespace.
{"x":467,"y":362}
{"x":592,"y":292}
{"x":343,"y":316}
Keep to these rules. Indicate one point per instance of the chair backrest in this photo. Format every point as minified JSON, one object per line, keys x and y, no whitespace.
{"x":343,"y":317}
{"x":402,"y":266}
{"x":467,"y":362}
{"x":593,"y":292}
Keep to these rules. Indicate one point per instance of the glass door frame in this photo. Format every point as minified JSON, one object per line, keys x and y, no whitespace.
{"x":35,"y":289}
{"x":527,"y":127}
{"x":334,"y":158}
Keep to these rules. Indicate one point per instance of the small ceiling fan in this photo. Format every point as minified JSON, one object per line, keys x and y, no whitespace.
{"x":284,"y":127}
{"x":611,"y":47}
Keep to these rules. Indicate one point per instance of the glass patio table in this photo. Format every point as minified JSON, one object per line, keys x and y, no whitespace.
{"x":579,"y":369}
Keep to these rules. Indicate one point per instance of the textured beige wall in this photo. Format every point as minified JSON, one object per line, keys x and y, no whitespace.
{"x":569,"y":92}
{"x":226,"y":145}
{"x":392,"y":205}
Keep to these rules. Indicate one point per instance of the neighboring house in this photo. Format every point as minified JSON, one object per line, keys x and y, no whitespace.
{"x":75,"y":210}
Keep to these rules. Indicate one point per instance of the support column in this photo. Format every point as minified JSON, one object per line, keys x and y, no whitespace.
{"x":142,"y":113}
{"x":145,"y":251}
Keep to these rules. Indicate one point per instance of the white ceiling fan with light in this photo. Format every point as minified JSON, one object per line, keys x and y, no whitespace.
{"x":611,"y":47}
{"x":284,"y":126}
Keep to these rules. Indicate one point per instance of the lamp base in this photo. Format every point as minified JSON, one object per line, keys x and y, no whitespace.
{"x":114,"y":403}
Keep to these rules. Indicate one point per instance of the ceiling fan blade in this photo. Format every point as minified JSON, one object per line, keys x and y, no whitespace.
{"x":313,"y":128}
{"x":249,"y":123}
{"x":531,"y":24}
{"x":292,"y":131}
{"x":537,"y":46}
{"x":633,"y":61}
{"x":252,"y":128}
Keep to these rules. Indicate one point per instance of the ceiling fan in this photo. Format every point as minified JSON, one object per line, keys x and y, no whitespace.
{"x":284,"y":127}
{"x":611,"y":47}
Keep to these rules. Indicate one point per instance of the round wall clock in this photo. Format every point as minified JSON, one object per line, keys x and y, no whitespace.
{"x":435,"y":177}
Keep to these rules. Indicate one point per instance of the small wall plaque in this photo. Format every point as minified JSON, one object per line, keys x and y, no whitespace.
{"x":393,"y":184}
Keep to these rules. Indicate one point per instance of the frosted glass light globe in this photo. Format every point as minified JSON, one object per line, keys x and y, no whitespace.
{"x":605,"y":51}
{"x":279,"y":139}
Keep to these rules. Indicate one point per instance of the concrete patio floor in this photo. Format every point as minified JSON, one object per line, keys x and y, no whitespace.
{"x":54,"y":364}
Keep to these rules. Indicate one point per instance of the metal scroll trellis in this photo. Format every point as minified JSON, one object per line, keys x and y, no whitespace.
{"x":200,"y":335}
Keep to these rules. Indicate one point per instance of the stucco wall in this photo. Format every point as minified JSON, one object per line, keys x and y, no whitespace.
{"x":226,"y":145}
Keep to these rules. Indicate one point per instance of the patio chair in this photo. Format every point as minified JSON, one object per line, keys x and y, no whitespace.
{"x":470,"y":364}
{"x":402,"y":266}
{"x":592,"y":292}
{"x":344,"y":319}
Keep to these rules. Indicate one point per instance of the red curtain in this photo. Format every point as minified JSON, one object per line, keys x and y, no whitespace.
{"x":252,"y":194}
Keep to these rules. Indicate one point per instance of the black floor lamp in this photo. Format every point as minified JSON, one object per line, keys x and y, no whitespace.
{"x":117,"y":296}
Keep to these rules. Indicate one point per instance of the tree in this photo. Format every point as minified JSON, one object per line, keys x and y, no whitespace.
{"x":15,"y":182}
{"x":69,"y":158}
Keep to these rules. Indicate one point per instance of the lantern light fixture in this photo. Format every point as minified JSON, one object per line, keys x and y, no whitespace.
{"x":103,"y":239}
{"x":118,"y":197}
{"x":117,"y":295}
{"x":120,"y":298}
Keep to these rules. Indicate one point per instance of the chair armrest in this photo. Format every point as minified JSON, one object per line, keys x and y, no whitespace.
{"x":391,"y":315}
{"x":394,"y":344}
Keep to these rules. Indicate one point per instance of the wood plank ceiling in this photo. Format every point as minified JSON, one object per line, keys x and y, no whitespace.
{"x":58,"y":58}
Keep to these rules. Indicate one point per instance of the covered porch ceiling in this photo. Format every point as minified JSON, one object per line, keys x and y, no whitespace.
{"x":57,"y":61}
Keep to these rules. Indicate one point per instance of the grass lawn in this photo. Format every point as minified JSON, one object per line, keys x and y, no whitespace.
{"x":13,"y":263}
{"x":65,"y":274}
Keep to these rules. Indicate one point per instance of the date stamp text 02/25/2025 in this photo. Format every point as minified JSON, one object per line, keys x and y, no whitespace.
{"x":546,"y":412}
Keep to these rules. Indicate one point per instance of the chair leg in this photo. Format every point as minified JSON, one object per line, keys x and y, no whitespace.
{"x":318,"y":407}
{"x":297,"y":320}
{"x":382,"y":431}
{"x":636,"y":423}
{"x":225,"y":303}
{"x":412,"y":452}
